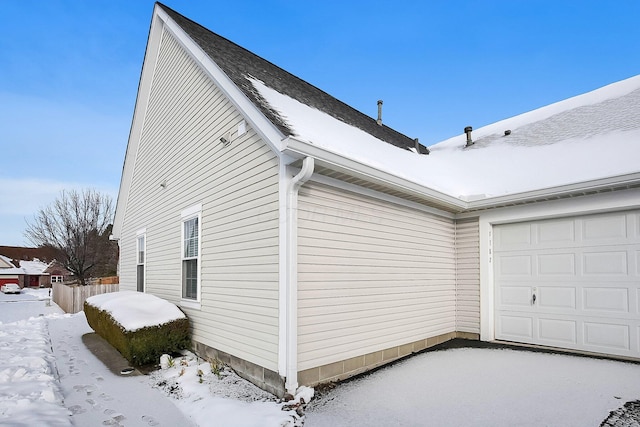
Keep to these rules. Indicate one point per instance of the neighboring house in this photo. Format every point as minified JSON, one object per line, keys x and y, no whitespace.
{"x":25,"y":273}
{"x":9,"y":273}
{"x":307,"y":242}
{"x":57,"y":272}
{"x":35,"y":267}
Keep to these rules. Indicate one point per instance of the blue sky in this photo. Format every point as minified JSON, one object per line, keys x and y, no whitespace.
{"x":69,"y":71}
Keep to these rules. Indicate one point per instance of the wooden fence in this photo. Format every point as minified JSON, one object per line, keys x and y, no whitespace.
{"x":71,"y":298}
{"x":111,"y":280}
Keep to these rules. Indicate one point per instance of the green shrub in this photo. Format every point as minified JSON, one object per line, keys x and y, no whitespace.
{"x":143,"y":346}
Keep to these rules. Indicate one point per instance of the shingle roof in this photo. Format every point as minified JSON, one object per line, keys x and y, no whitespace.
{"x":239,"y":65}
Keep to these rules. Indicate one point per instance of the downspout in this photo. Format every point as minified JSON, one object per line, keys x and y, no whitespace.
{"x":296,"y":182}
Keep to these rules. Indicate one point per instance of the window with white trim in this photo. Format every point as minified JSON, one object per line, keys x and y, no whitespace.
{"x":141,"y":255}
{"x":191,"y":253}
{"x":56,"y":279}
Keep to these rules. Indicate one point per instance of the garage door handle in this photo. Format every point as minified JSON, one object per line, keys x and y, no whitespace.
{"x":534,"y":298}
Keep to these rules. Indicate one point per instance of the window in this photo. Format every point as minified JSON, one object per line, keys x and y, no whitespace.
{"x":56,"y":279}
{"x":191,"y":253}
{"x":140,"y":259}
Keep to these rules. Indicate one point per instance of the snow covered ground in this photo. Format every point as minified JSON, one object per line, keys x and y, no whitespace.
{"x":49,"y":377}
{"x":482,"y":387}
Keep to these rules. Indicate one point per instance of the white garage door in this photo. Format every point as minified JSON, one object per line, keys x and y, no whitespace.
{"x":570,"y":282}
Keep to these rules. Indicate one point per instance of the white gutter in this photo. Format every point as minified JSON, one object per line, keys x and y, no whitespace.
{"x":299,"y":148}
{"x":576,"y":189}
{"x":296,"y":182}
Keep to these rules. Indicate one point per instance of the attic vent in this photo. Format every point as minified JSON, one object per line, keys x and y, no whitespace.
{"x":379,"y":121}
{"x":468,"y":130}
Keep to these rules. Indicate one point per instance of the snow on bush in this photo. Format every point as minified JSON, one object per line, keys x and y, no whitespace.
{"x":140,"y":326}
{"x":136,"y":310}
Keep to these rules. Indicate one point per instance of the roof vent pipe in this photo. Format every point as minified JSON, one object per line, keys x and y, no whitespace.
{"x":379,"y":121}
{"x":417,"y":142}
{"x":468,"y":130}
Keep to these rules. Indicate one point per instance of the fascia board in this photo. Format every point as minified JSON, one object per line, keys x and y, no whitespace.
{"x":263,"y":126}
{"x":297,"y":149}
{"x":568,"y":190}
{"x":139,"y":113}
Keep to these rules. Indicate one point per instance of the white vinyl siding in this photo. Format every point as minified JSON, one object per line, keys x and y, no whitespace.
{"x":468,"y":276}
{"x":371,"y":275}
{"x":181,"y":162}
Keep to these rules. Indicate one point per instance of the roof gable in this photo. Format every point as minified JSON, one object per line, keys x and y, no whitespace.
{"x":241,"y":65}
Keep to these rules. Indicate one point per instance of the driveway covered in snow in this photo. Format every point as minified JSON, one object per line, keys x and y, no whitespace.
{"x":481,"y":387}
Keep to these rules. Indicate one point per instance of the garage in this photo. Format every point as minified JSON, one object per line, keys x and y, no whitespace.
{"x":8,"y":279}
{"x":570,"y":282}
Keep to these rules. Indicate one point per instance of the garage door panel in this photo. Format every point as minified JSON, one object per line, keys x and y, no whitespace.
{"x":606,"y":299}
{"x":554,"y":264}
{"x":557,"y":297}
{"x":607,"y":227}
{"x":515,"y":296}
{"x":606,"y":337}
{"x":558,"y":332}
{"x":605,"y":263}
{"x":513,"y":236}
{"x":516,"y":328}
{"x":558,"y":231}
{"x":585,"y":274}
{"x":517,"y":265}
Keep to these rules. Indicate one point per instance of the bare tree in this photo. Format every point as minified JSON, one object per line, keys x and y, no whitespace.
{"x":77,"y":226}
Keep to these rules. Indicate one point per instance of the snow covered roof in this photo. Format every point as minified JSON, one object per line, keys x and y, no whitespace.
{"x":240,"y":65}
{"x":585,"y":138}
{"x":34,"y":267}
{"x":589,"y":137}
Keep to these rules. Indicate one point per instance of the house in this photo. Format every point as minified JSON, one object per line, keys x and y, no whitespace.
{"x":24,"y":273}
{"x":57,"y":272}
{"x":9,"y":273}
{"x":308,"y":242}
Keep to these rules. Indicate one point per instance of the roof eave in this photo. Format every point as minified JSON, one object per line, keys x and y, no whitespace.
{"x":297,"y":149}
{"x":618,"y":182}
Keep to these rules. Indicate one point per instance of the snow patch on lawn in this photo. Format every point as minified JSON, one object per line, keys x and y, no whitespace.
{"x":211,"y":391}
{"x":136,"y":310}
{"x":29,"y":390}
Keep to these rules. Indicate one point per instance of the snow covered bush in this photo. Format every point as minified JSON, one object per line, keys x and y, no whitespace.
{"x":140,"y":326}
